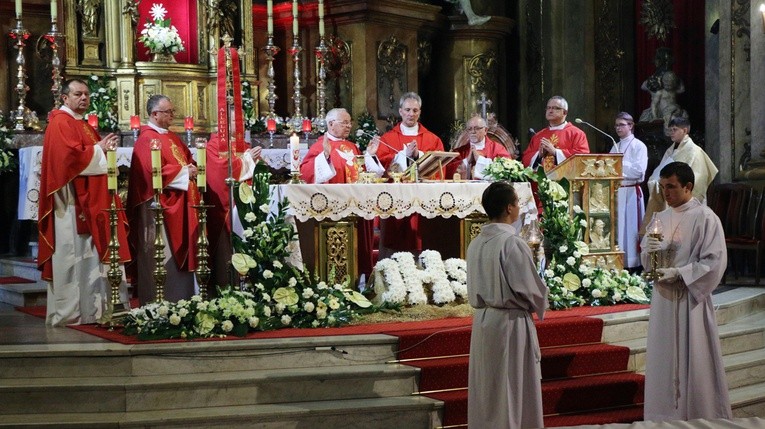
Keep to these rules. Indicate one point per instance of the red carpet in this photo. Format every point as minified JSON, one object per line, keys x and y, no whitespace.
{"x":14,"y":280}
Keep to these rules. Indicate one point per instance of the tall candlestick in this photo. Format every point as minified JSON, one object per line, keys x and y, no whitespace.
{"x":294,"y":18}
{"x":295,"y":153}
{"x":53,"y":10}
{"x":201,"y":145}
{"x":270,"y":13}
{"x":111,"y":168}
{"x":156,"y":164}
{"x":321,"y":18}
{"x":18,"y":8}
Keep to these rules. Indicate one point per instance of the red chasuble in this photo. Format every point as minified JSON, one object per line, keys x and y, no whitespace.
{"x":180,"y":217}
{"x":345,"y":173}
{"x":402,"y":234}
{"x":490,"y":150}
{"x":570,"y":140}
{"x":67,"y":150}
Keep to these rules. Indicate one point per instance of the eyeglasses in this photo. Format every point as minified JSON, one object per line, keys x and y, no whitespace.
{"x":620,"y":125}
{"x":168,"y":111}
{"x":554,"y":108}
{"x":343,"y":123}
{"x":474,"y":129}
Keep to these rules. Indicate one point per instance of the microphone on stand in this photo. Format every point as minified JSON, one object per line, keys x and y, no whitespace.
{"x":531,"y":133}
{"x":579,"y":121}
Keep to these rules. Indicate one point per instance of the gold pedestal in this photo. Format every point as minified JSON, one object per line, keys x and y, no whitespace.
{"x":160,"y":272}
{"x":203,"y":270}
{"x":335,"y":244}
{"x":470,"y":227}
{"x":116,"y":309}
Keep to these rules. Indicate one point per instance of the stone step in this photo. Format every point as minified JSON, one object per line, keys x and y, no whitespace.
{"x":199,"y":390}
{"x":744,"y":369}
{"x":114,"y":360}
{"x":375,"y":413}
{"x":748,"y":401}
{"x":19,"y":266}
{"x":24,"y":294}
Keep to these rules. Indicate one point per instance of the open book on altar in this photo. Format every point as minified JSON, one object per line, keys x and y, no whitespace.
{"x":431,"y":163}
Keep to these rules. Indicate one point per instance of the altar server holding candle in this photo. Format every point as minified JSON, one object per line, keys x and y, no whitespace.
{"x":178,"y":192}
{"x":73,"y":219}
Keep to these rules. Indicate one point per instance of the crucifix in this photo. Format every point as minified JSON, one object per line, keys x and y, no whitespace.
{"x":484,"y":103}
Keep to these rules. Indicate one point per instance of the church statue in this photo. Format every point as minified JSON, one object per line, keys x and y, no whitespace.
{"x":599,"y":239}
{"x":664,"y":85}
{"x":89,"y":11}
{"x":467,"y":9}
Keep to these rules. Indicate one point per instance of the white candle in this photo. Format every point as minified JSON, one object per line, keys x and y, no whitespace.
{"x":111,"y":169}
{"x":294,"y":153}
{"x":321,"y":18}
{"x":270,"y":13}
{"x":294,"y":18}
{"x":156,"y":164}
{"x":18,"y":8}
{"x":53,"y":10}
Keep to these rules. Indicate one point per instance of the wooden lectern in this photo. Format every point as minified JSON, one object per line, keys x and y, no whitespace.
{"x":595,"y":180}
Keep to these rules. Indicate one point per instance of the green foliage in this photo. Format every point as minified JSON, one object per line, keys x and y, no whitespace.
{"x":366,"y":130}
{"x":8,"y":160}
{"x":103,"y":102}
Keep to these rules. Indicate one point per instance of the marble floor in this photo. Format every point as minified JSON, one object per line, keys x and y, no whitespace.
{"x":17,"y":328}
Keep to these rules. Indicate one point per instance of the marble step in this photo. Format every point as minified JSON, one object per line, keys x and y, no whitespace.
{"x":175,"y":392}
{"x":374,"y":413}
{"x":24,"y":294}
{"x":744,"y":369}
{"x":19,"y":266}
{"x":748,"y":401}
{"x":113,"y":360}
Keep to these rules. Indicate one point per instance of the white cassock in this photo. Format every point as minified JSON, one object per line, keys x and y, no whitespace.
{"x":504,"y":389}
{"x":685,"y":375}
{"x":630,"y":197}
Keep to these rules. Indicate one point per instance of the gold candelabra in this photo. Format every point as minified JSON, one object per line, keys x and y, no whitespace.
{"x":295,"y":50}
{"x":654,"y":230}
{"x":202,"y":271}
{"x":160,"y":272}
{"x":117,"y":308}
{"x":20,"y":34}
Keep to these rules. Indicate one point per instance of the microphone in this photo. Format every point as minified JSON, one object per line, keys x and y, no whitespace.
{"x":579,"y":121}
{"x":531,"y":133}
{"x":416,"y":173}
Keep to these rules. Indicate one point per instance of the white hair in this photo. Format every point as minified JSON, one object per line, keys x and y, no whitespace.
{"x":333,"y":114}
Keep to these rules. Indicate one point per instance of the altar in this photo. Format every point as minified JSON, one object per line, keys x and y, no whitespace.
{"x":327,"y":215}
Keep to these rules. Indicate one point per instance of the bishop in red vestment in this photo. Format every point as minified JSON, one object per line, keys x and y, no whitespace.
{"x":552,"y":145}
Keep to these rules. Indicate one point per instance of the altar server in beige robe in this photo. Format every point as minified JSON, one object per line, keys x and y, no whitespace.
{"x":683,"y":149}
{"x":685,"y":375}
{"x":504,"y":384}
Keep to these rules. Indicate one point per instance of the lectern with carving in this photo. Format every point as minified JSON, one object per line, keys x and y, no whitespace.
{"x":595,"y":181}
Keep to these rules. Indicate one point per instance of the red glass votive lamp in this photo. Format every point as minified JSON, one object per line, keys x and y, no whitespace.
{"x":135,"y":122}
{"x":306,"y":125}
{"x":93,"y":120}
{"x":271,"y":126}
{"x":188,"y":123}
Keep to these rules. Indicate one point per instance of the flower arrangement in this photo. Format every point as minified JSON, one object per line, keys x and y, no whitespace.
{"x":103,"y":102}
{"x":275,"y":294}
{"x":288,"y":293}
{"x":366,"y":130}
{"x":251,"y":121}
{"x":572,"y":279}
{"x":8,"y":161}
{"x":398,"y":280}
{"x":158,"y":35}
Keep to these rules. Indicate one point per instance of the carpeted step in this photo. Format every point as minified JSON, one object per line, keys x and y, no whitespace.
{"x":629,"y":414}
{"x":592,"y":393}
{"x":569,"y":331}
{"x":455,"y":406}
{"x":573,"y":361}
{"x":425,"y":343}
{"x":439,"y":374}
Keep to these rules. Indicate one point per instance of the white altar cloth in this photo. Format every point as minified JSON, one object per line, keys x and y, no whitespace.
{"x":30,"y":164}
{"x":398,"y":200}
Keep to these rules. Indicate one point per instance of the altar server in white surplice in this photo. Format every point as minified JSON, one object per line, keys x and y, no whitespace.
{"x":685,"y":376}
{"x":630,"y":197}
{"x":504,"y":384}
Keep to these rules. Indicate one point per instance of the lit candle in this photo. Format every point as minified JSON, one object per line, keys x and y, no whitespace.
{"x":135,"y":122}
{"x":111,"y":168}
{"x":270,"y":13}
{"x":201,"y":145}
{"x":189,"y":123}
{"x":156,"y":164}
{"x":271,"y":125}
{"x":295,"y":153}
{"x":93,"y":120}
{"x":18,"y":8}
{"x":306,"y":125}
{"x":294,"y":18}
{"x":53,"y":10}
{"x":321,"y":18}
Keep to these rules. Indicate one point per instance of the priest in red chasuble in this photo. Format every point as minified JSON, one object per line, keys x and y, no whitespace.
{"x":406,"y":141}
{"x":556,"y":142}
{"x":243,"y":161}
{"x":179,"y":193}
{"x":478,"y":154}
{"x":332,"y":160}
{"x":73,"y":218}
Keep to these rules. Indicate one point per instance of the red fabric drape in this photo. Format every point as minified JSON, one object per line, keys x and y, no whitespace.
{"x":183,"y":15}
{"x":686,"y":40}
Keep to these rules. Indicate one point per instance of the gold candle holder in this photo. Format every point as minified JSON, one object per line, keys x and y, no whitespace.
{"x":160,"y":272}
{"x":203,"y":269}
{"x":117,"y":309}
{"x":655,"y":230}
{"x":20,"y":35}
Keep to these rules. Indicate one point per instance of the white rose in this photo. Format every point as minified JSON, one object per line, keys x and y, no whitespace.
{"x":563,"y":248}
{"x":227,"y":326}
{"x":250,"y":217}
{"x":278,"y":264}
{"x":292,"y":282}
{"x":253,"y":321}
{"x":597,"y":293}
{"x":286,"y":320}
{"x":586,"y":283}
{"x":307,"y":293}
{"x":571,"y":261}
{"x":308,"y":307}
{"x":617,"y":296}
{"x":175,"y":320}
{"x":264,"y":208}
{"x":183,"y":312}
{"x":268,"y":274}
{"x":247,"y":233}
